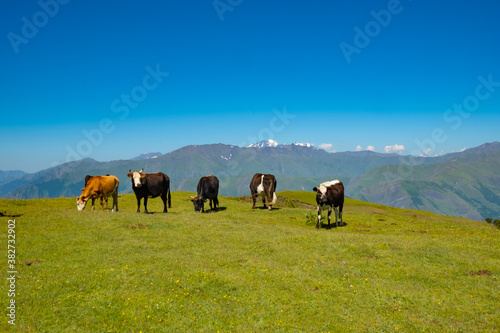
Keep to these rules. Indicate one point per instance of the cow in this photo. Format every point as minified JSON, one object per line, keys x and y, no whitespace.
{"x":208,"y":188}
{"x":99,"y":187}
{"x":87,"y":177}
{"x":150,"y":185}
{"x":265,"y":186}
{"x":330,"y":194}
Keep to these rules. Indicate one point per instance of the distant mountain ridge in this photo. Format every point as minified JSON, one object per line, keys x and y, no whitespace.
{"x":146,"y":156}
{"x":273,"y":144}
{"x":459,"y":184}
{"x":6,"y":176}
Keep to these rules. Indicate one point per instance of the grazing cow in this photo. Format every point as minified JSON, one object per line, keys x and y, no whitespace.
{"x":208,"y":188}
{"x":265,"y":186}
{"x":330,"y":194}
{"x":99,"y":187}
{"x":150,"y":185}
{"x":87,"y":177}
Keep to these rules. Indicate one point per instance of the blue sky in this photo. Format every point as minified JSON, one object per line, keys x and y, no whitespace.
{"x":115,"y":79}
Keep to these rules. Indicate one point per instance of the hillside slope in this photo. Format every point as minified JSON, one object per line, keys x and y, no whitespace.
{"x":245,"y":270}
{"x":467,"y":186}
{"x":458,"y":184}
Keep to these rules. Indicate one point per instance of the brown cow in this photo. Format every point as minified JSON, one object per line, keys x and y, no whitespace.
{"x":99,"y":187}
{"x":265,"y":186}
{"x":87,"y":177}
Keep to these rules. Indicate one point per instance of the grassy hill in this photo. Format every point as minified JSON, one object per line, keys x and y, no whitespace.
{"x":468,"y":186}
{"x":243,"y":270}
{"x":463,"y":184}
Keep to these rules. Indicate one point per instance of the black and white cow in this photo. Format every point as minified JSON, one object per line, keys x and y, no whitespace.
{"x":208,"y":188}
{"x":265,"y":186}
{"x":330,"y":194}
{"x":150,"y":185}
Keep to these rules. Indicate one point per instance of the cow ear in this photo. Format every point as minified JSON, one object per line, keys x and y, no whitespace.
{"x":82,"y":189}
{"x":315,"y":189}
{"x":143,"y":175}
{"x":129,"y":175}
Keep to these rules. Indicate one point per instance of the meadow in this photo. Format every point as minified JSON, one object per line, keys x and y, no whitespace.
{"x":244,"y":270}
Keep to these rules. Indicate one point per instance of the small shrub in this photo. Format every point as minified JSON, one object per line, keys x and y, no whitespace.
{"x":312,"y":218}
{"x":495,"y":222}
{"x":290,"y":204}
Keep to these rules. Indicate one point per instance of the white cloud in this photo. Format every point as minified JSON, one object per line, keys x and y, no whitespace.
{"x":463,"y":149}
{"x":395,"y":149}
{"x":328,"y":147}
{"x":425,"y":152}
{"x":370,"y":148}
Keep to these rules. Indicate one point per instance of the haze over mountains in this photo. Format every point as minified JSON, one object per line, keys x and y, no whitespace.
{"x":465,"y":184}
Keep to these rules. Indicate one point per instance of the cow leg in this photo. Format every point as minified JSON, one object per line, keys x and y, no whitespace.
{"x":146,"y":204}
{"x":329,"y":214}
{"x":211,"y":203}
{"x":341,"y":214}
{"x":318,"y":225}
{"x":115,"y":202}
{"x":216,"y":203}
{"x":101,"y":201}
{"x":264,"y":200}
{"x":254,"y":199}
{"x":138,"y":205}
{"x":336,"y":216}
{"x":164,"y":198}
{"x":93,"y":203}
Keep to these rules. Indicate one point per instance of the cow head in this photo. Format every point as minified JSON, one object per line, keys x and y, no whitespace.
{"x":136,"y":177}
{"x":81,"y":202}
{"x":321,"y":194}
{"x":198,"y":203}
{"x":323,"y":191}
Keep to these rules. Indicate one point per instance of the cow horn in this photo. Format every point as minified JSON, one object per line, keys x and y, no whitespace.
{"x":129,"y":170}
{"x":141,"y":170}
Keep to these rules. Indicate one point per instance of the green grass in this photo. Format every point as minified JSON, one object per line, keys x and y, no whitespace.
{"x":244,"y":270}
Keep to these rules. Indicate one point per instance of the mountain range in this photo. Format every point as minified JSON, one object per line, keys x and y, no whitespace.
{"x":465,"y":184}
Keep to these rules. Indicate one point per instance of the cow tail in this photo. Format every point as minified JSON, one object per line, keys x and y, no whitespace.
{"x":169,"y":198}
{"x":275,"y":198}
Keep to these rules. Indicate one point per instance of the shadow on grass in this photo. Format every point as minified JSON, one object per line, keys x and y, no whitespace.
{"x":265,"y":208}
{"x":332,"y":225}
{"x":4,"y":214}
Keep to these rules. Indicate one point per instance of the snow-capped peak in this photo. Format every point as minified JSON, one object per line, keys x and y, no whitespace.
{"x":303,"y":144}
{"x":264,"y":143}
{"x":147,"y":156}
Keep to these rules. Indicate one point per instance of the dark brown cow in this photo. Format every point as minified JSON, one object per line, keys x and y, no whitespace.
{"x":99,"y":187}
{"x":152,"y":185}
{"x":330,"y":194}
{"x":208,"y":188}
{"x":265,"y":186}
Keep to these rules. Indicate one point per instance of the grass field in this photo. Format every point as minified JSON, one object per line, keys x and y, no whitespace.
{"x":244,"y":270}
